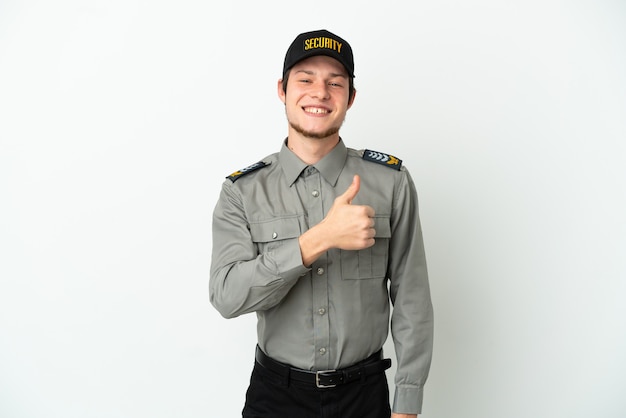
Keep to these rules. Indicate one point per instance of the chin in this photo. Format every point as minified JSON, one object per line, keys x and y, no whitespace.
{"x":315,"y":134}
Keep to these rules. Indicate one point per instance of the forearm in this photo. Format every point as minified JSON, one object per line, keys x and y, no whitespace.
{"x":412,"y":326}
{"x":245,"y":286}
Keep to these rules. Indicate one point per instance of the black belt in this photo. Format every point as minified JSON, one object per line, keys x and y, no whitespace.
{"x":326,"y":378}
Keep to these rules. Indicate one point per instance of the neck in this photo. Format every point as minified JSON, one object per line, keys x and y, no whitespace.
{"x":311,"y":150}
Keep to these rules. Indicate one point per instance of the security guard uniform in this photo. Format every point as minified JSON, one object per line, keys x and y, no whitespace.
{"x":335,"y":313}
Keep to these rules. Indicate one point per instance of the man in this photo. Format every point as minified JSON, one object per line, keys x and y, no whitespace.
{"x":316,"y":239}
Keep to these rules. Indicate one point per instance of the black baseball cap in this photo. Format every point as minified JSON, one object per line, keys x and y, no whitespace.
{"x":319,"y":42}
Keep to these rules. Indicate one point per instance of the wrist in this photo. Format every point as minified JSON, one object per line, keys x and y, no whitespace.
{"x":313,"y":243}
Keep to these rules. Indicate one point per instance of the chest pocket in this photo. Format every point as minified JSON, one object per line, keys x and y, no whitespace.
{"x":369,"y":263}
{"x":273,"y":233}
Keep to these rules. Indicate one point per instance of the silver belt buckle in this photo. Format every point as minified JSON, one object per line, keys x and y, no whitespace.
{"x":317,"y":379}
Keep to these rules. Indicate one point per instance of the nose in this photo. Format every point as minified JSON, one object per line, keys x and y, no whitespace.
{"x":320,"y":91}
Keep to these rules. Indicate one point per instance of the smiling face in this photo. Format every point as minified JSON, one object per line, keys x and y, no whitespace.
{"x":316,"y":99}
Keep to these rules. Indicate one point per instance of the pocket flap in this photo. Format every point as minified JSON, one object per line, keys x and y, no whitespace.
{"x":275,"y":229}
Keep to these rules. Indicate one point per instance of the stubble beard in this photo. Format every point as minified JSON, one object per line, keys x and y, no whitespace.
{"x":314,"y":135}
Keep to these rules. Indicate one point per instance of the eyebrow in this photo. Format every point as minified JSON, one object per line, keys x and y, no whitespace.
{"x":332,"y":75}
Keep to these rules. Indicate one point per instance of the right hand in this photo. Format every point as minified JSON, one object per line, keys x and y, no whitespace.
{"x":346,"y":226}
{"x":350,"y":227}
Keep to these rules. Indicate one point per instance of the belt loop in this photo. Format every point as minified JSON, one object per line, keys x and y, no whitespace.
{"x":287,"y":377}
{"x":362,"y":373}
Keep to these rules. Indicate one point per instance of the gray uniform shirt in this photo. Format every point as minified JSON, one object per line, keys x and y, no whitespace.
{"x":336,"y":312}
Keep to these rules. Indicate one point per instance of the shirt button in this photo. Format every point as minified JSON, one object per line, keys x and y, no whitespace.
{"x":320,"y":271}
{"x":275,"y":235}
{"x":322,"y":351}
{"x":315,"y":193}
{"x":321,"y":311}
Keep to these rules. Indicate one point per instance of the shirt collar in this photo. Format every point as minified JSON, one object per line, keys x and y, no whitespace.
{"x":291,"y":164}
{"x":330,"y":166}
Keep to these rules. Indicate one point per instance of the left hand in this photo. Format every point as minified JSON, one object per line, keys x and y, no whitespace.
{"x":394,"y":415}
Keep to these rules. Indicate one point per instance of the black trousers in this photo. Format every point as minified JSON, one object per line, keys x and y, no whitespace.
{"x":271,"y":396}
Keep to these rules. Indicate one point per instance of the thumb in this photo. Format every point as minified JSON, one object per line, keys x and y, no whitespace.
{"x":352,"y":190}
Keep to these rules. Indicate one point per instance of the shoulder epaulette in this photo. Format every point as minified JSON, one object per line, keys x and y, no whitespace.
{"x":382,"y":158}
{"x":239,"y":173}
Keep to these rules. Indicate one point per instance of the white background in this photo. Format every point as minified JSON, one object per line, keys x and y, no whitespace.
{"x":120,"y":119}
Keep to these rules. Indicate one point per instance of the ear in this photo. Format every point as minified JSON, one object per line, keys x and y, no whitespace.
{"x":281,"y":92}
{"x":351,"y":101}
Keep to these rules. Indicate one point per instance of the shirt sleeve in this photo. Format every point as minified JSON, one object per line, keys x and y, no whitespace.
{"x":412,"y":315}
{"x":242,"y":279}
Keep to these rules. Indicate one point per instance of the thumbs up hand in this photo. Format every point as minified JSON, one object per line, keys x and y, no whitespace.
{"x":346,"y":226}
{"x":350,"y":227}
{"x":351,"y":192}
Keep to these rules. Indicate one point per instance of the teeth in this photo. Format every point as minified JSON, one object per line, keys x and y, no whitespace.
{"x":315,"y":110}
